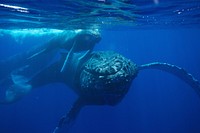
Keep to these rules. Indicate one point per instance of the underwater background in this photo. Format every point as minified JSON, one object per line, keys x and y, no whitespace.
{"x":143,"y":31}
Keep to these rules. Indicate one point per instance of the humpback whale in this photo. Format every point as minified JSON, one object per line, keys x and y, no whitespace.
{"x":106,"y":78}
{"x":97,"y":77}
{"x":22,"y":72}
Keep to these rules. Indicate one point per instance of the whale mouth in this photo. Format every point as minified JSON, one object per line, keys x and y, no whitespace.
{"x":106,"y":78}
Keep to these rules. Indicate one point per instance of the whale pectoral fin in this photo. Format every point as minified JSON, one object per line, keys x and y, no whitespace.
{"x":37,"y":54}
{"x":85,"y":55}
{"x":175,"y":70}
{"x":68,"y":57}
{"x":71,"y":115}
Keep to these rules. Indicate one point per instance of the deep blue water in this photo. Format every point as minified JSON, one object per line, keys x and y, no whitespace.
{"x":157,"y":102}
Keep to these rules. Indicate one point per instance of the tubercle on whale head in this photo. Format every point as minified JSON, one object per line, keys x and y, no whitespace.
{"x":89,"y":35}
{"x":86,"y":40}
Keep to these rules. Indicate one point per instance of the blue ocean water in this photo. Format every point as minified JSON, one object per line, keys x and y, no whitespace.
{"x":143,"y":31}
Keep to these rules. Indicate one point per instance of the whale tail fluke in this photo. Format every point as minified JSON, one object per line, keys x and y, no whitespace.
{"x":175,"y":70}
{"x":15,"y":88}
